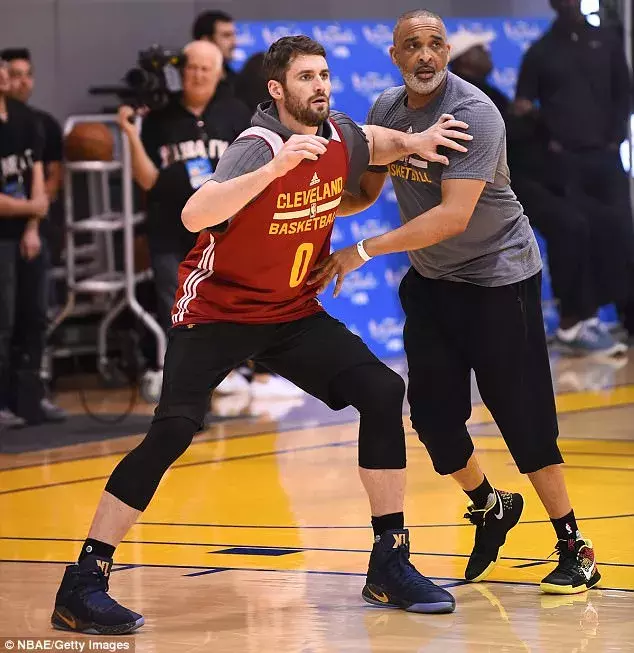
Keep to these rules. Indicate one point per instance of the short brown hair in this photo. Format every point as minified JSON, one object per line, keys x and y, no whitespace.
{"x":281,"y":54}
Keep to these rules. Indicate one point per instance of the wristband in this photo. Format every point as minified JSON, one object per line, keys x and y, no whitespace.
{"x":362,"y":253}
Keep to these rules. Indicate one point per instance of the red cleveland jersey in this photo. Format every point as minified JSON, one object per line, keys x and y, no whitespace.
{"x":255,"y":272}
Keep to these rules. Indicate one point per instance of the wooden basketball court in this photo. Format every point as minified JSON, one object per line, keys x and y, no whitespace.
{"x":258,"y":538}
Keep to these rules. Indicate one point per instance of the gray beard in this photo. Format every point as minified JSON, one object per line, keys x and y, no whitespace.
{"x":421,"y":87}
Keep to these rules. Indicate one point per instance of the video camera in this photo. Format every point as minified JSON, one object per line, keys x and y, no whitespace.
{"x":155,"y":78}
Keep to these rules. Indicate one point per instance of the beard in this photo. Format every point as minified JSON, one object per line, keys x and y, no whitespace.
{"x":421,"y":86}
{"x":305,"y":113}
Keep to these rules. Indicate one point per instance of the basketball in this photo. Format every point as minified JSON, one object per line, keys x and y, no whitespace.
{"x":89,"y":141}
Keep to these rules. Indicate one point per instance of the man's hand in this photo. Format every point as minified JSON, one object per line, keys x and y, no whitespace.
{"x":442,"y":134}
{"x":338,"y":264}
{"x":297,"y":148}
{"x":31,"y":244}
{"x":38,"y":206}
{"x":126,"y":119}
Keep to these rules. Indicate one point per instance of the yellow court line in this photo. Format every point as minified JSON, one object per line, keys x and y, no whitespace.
{"x":571,"y":402}
{"x":265,"y":444}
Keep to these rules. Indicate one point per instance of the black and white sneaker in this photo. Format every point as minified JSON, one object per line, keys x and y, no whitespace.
{"x":577,"y":569}
{"x":492,"y":524}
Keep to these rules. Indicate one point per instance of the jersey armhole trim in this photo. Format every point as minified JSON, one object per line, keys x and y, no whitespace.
{"x":273,"y":140}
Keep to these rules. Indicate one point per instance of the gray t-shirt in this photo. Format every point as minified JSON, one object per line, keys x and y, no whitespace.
{"x":498,"y":247}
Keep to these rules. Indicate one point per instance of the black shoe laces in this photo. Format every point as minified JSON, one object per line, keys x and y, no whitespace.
{"x":476,"y":517}
{"x":93,"y":580}
{"x":567,"y":558}
{"x":402,"y":570}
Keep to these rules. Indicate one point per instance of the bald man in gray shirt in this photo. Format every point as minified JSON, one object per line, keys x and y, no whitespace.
{"x":472,"y":301}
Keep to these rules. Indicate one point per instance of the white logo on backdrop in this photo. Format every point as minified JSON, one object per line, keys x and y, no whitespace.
{"x":505,"y":79}
{"x":372,"y":84}
{"x":270,"y":35}
{"x":393,"y":277}
{"x":389,"y":332}
{"x":335,"y":39}
{"x":368,"y":229}
{"x":522,"y":32}
{"x":244,"y":38}
{"x":380,"y":36}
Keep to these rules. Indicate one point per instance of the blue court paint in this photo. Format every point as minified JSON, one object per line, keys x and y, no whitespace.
{"x":257,"y":551}
{"x":206,"y":572}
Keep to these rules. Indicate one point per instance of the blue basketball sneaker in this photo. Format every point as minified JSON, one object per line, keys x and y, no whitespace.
{"x":82,"y":603}
{"x":394,"y":582}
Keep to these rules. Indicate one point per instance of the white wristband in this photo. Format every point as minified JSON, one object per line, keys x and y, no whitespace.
{"x":362,"y":253}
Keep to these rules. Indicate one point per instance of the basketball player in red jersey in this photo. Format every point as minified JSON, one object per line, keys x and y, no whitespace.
{"x":265,"y":220}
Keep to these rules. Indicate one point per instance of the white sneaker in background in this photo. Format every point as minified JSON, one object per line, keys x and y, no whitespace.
{"x":274,"y":387}
{"x":275,"y":409}
{"x":231,"y":405}
{"x":233,"y":383}
{"x":10,"y":420}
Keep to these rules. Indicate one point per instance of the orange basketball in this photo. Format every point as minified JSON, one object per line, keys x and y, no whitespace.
{"x":89,"y":141}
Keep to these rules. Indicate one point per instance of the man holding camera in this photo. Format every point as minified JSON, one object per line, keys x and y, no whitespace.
{"x":175,"y":153}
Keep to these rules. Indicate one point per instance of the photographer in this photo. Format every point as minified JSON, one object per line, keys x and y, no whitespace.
{"x":177,"y":151}
{"x":23,"y":203}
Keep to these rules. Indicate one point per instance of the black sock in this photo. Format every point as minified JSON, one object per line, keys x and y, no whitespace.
{"x":480,"y":495}
{"x":96,"y":548}
{"x":566,"y":526}
{"x":393,"y":522}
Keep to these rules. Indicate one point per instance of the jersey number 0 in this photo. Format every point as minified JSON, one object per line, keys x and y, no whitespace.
{"x":300,"y":264}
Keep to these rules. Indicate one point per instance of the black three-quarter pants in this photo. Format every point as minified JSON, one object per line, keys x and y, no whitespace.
{"x":317,"y":353}
{"x":452,"y":328}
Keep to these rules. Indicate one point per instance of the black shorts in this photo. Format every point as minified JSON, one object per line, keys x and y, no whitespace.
{"x":311,"y":352}
{"x":452,"y":328}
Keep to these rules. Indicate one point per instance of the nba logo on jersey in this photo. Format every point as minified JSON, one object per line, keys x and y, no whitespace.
{"x":313,"y":209}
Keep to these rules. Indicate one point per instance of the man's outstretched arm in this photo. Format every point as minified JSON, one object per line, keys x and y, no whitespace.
{"x":388,"y":145}
{"x":448,"y":219}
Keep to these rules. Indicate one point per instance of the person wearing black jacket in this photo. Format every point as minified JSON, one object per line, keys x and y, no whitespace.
{"x":579,"y":77}
{"x":175,"y":153}
{"x":571,"y":234}
{"x":23,"y":203}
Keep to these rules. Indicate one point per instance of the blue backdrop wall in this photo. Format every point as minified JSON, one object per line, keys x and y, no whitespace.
{"x":361,"y":69}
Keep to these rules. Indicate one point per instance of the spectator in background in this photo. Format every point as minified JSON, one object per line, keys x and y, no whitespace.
{"x":568,"y":231}
{"x":176,"y":152}
{"x":23,"y":203}
{"x":470,"y":59}
{"x":51,"y":230}
{"x":219,"y":28}
{"x":251,"y":84}
{"x":579,"y":77}
{"x":22,"y":84}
